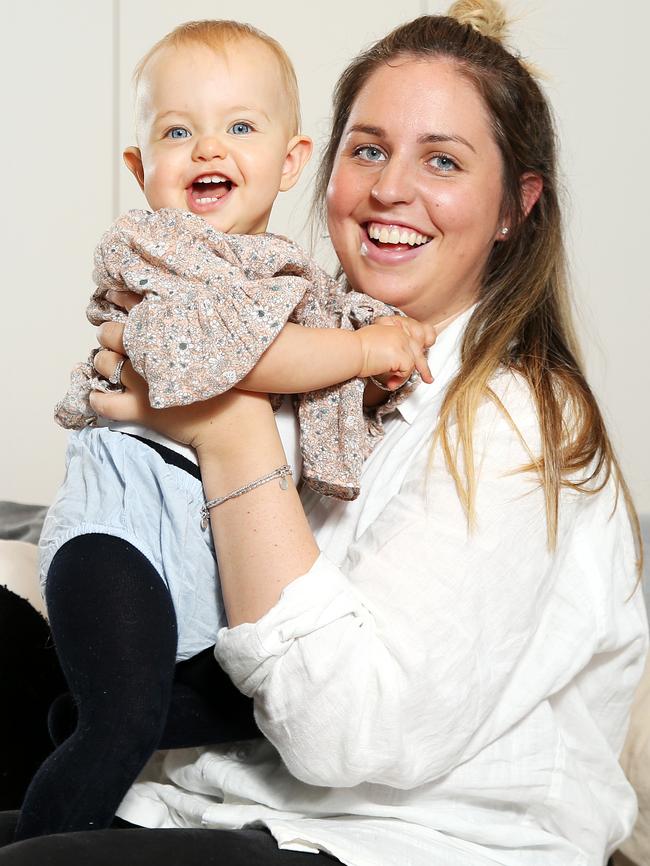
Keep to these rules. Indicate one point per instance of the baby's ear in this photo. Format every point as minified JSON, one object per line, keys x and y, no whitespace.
{"x":298,"y":153}
{"x":133,"y":159}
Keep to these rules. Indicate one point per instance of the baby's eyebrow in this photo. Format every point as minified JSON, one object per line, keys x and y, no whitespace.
{"x":172,"y":111}
{"x":247,"y":108}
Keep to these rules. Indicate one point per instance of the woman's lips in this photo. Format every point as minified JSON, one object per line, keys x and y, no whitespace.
{"x":396,"y":234}
{"x":386,"y":252}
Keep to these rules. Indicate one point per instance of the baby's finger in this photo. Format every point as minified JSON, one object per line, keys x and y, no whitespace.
{"x":109,"y":335}
{"x":429,"y":335}
{"x":422,"y":364}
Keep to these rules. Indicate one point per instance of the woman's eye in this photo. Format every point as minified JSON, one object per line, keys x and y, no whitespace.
{"x":443,"y":163}
{"x":178,"y":132}
{"x":370,"y":153}
{"x":240,"y":128}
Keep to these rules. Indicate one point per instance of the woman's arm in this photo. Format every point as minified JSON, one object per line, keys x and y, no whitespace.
{"x":429,"y":642}
{"x":263,"y":539}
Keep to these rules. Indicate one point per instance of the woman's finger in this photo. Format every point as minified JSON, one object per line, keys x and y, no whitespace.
{"x":124,"y":299}
{"x":109,"y":335}
{"x":115,"y":406}
{"x":105,"y":362}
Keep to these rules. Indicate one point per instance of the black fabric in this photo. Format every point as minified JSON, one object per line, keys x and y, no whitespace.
{"x":31,"y":678}
{"x":169,"y":456}
{"x":138,"y":847}
{"x":114,"y":628}
{"x":205,"y":708}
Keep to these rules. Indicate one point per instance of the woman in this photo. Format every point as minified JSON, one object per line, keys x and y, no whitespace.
{"x":442,"y":669}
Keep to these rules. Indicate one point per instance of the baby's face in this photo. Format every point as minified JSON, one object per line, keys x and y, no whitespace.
{"x":214,"y":131}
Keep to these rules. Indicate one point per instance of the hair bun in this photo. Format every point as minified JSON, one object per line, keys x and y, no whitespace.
{"x":487,"y":17}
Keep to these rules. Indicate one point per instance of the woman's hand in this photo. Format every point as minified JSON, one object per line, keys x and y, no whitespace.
{"x":222,"y":423}
{"x":110,"y":335}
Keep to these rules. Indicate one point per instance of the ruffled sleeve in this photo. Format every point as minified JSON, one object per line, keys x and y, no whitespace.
{"x":211,"y":306}
{"x":336,"y":436}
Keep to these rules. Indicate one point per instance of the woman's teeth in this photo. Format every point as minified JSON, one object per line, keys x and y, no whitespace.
{"x":396,"y":235}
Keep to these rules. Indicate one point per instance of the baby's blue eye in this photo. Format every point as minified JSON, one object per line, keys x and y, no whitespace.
{"x":178,"y":132}
{"x":369,"y":152}
{"x":443,"y":162}
{"x":240,"y":128}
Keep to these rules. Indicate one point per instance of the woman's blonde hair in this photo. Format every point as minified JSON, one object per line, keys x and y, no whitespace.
{"x":523,"y":320}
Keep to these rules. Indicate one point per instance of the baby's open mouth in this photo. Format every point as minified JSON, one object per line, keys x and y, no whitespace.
{"x":209,"y":188}
{"x":383,"y":235}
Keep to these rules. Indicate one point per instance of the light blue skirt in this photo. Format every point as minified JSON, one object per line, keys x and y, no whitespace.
{"x":119,"y":486}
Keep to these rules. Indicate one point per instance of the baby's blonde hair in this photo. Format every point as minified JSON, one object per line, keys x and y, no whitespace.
{"x":216,"y":35}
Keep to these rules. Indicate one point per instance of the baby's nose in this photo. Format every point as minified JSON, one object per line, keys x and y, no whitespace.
{"x":209,"y":147}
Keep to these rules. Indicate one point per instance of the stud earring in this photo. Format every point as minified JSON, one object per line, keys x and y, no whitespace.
{"x":505,"y":230}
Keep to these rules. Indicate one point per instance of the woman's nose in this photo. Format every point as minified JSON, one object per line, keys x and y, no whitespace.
{"x":209,"y":147}
{"x":395,"y":184}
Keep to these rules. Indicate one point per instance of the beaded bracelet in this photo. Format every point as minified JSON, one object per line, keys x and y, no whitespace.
{"x":281,"y":473}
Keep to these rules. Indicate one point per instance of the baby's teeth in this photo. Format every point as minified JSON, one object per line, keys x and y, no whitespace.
{"x":393,"y":237}
{"x":412,"y":238}
{"x":383,"y":236}
{"x":206,"y":200}
{"x":404,"y":237}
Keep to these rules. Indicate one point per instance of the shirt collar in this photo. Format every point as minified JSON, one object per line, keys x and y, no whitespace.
{"x":444,"y":362}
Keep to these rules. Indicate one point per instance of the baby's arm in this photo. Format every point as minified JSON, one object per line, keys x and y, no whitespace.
{"x":304,"y":359}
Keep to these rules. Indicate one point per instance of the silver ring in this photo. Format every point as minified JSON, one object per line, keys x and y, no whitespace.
{"x":116,"y":376}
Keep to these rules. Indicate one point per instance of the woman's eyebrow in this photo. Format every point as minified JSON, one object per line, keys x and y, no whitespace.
{"x":377,"y":131}
{"x":429,"y":138}
{"x":441,"y":137}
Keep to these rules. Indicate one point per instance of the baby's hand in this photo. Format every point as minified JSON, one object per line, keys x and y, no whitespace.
{"x":393,"y":347}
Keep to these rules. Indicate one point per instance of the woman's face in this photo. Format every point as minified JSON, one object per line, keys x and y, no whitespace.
{"x":415,"y":194}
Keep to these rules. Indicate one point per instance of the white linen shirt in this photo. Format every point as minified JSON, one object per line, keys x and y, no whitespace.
{"x":432,"y":696}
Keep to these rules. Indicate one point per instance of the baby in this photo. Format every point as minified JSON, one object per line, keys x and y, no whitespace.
{"x":128,"y":567}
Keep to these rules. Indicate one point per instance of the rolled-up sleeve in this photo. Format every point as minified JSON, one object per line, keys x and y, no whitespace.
{"x":430,"y":641}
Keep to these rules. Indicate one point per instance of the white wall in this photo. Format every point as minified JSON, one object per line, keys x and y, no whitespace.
{"x":68,"y":112}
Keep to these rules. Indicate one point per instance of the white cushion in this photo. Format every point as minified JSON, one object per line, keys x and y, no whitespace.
{"x":19,"y":571}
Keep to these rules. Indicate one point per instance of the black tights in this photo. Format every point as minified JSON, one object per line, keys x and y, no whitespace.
{"x":114,"y":628}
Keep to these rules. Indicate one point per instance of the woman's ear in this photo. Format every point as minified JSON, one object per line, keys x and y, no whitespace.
{"x":133,"y":159}
{"x":530,"y":186}
{"x":299,"y":151}
{"x":530,"y":189}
